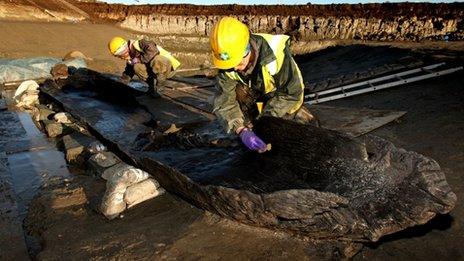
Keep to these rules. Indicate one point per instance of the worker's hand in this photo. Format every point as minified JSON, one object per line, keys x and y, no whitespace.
{"x":252,"y":141}
{"x":134,"y":60}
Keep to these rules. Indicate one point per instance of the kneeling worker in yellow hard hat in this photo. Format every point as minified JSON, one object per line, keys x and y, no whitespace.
{"x":150,"y":62}
{"x":257,"y":76}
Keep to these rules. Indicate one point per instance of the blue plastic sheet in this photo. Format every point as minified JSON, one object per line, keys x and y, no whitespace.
{"x":12,"y":70}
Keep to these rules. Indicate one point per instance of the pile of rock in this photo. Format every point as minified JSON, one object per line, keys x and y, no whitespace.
{"x":55,"y":124}
{"x":126,"y":185}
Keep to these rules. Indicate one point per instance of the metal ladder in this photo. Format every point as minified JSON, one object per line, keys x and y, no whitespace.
{"x":380,"y":83}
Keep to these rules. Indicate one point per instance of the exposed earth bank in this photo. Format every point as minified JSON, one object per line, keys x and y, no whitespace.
{"x":374,"y":22}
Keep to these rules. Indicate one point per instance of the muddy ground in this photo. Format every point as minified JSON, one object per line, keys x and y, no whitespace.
{"x":170,"y":228}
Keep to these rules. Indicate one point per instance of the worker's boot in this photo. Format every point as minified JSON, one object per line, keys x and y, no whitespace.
{"x":153,"y":89}
{"x":304,"y":116}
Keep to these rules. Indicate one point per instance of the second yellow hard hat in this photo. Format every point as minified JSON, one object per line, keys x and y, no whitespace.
{"x":229,"y":40}
{"x":115,"y":44}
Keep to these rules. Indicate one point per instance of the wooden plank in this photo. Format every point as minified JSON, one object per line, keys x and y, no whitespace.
{"x":195,"y":81}
{"x":175,"y":85}
{"x":189,"y":99}
{"x":353,"y":121}
{"x":207,"y":92}
{"x":201,"y":95}
{"x":187,"y":83}
{"x":167,"y":112}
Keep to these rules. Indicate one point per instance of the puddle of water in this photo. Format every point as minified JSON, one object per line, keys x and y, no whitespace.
{"x":29,"y":169}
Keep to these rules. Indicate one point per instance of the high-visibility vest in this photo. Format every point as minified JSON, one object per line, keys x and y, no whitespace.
{"x":174,"y":62}
{"x":277,"y":44}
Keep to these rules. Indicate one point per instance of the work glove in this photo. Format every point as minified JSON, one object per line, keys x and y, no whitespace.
{"x":252,"y":141}
{"x":134,"y":60}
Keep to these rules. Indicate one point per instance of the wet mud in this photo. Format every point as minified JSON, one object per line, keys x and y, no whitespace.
{"x":33,"y":159}
{"x":29,"y":162}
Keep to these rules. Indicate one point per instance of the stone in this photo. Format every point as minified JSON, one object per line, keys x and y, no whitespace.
{"x":55,"y":129}
{"x":75,"y":145}
{"x":59,"y":71}
{"x":63,"y":117}
{"x":99,"y":162}
{"x":96,"y":147}
{"x":42,"y":112}
{"x":75,"y":54}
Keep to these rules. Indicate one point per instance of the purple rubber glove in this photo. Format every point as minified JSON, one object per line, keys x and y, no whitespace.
{"x":134,"y":60}
{"x":252,"y":141}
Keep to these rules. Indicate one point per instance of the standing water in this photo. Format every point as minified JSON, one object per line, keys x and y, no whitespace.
{"x":32,"y":160}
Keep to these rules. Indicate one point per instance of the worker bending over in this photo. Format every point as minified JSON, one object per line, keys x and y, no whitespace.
{"x":150,"y":62}
{"x":257,"y":76}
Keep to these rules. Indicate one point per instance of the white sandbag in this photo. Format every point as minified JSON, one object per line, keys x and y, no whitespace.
{"x":113,"y":201}
{"x":139,"y":191}
{"x":120,"y":176}
{"x":62,"y":117}
{"x":23,"y":88}
{"x":28,"y":99}
{"x":145,"y":197}
{"x":125,"y":173}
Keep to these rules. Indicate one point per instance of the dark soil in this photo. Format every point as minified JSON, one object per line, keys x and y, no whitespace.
{"x":384,"y":11}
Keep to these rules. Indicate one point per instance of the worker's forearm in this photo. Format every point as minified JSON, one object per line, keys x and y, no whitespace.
{"x":226,"y":106}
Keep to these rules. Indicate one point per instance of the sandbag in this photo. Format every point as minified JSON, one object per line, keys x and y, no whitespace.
{"x":141,"y":191}
{"x":62,"y":117}
{"x":113,"y":201}
{"x":119,"y":177}
{"x":23,"y":88}
{"x":125,"y":173}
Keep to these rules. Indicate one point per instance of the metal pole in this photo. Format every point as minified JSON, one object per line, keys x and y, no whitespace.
{"x":380,"y":79}
{"x":385,"y":85}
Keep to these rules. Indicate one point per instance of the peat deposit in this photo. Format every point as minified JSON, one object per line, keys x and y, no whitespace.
{"x":378,"y":22}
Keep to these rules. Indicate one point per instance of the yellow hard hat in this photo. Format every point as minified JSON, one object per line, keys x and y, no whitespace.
{"x":115,"y":44}
{"x":229,"y":42}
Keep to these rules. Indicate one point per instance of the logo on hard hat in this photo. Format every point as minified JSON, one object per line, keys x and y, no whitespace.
{"x":224,"y":56}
